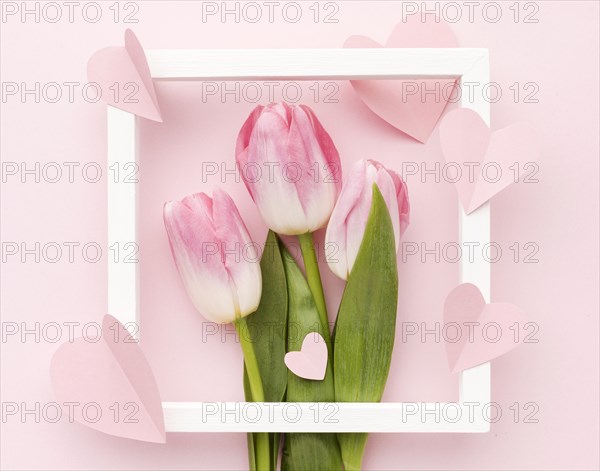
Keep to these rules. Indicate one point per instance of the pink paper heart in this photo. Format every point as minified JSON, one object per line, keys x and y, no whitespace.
{"x":110,"y":376}
{"x":311,"y":361}
{"x":476,"y":332}
{"x":124,"y":77}
{"x":401,"y":102}
{"x":465,"y":138}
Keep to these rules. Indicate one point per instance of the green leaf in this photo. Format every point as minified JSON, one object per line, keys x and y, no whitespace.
{"x":267,"y":326}
{"x":306,"y":451}
{"x":267,"y":329}
{"x":366,"y":323}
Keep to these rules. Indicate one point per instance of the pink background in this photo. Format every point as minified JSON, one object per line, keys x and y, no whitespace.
{"x":560,"y":214}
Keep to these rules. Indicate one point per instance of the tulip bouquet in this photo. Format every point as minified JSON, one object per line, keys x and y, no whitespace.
{"x":365,"y":219}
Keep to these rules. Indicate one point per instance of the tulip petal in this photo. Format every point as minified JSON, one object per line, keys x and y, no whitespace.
{"x":284,"y":110}
{"x":243,"y":140}
{"x":245,"y":133}
{"x":276,"y":198}
{"x":317,"y":182}
{"x":356,"y":220}
{"x":351,"y":213}
{"x":385,"y":183}
{"x":403,"y":207}
{"x":240,"y":254}
{"x":336,"y":229}
{"x":197,"y":255}
{"x":290,"y":167}
{"x":330,"y":152}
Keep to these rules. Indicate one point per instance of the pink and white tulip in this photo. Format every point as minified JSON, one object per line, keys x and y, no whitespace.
{"x":349,"y":219}
{"x":215,"y":256}
{"x":290,"y":167}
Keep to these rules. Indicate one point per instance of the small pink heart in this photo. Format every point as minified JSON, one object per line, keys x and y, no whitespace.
{"x":124,"y":77}
{"x":494,"y":157}
{"x":311,"y":361}
{"x":406,"y":104}
{"x":476,"y":332}
{"x":111,"y":382}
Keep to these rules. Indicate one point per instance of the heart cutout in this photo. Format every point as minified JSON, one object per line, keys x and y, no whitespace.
{"x":405,"y":104}
{"x":113,"y":374}
{"x":124,"y":78}
{"x":483,"y":331}
{"x":311,"y":361}
{"x":465,"y":138}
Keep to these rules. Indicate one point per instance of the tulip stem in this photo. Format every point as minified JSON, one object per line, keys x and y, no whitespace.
{"x":262,"y":450}
{"x":313,"y":276}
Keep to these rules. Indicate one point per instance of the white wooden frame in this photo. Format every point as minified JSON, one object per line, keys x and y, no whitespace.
{"x":471,"y":65}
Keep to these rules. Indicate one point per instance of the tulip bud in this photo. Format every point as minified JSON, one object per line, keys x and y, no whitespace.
{"x":290,"y":167}
{"x":217,"y":260}
{"x":349,"y":219}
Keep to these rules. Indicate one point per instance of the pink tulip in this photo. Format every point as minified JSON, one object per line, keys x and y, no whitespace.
{"x":290,"y":167}
{"x":217,"y":260}
{"x":349,"y":219}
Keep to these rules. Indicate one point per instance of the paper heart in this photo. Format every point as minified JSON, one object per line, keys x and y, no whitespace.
{"x":476,"y":332}
{"x":124,"y":78}
{"x":465,"y":138}
{"x":311,"y":361}
{"x":110,"y":377}
{"x":401,"y":102}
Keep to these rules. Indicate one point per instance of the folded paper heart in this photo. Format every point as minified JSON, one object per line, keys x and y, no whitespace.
{"x":112,"y":383}
{"x":124,"y":78}
{"x":311,"y":361}
{"x":476,"y":332}
{"x":413,"y":106}
{"x":487,"y":161}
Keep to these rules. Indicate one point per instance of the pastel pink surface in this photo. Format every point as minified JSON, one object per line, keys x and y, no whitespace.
{"x":549,"y":213}
{"x":466,"y":309}
{"x":465,"y":138}
{"x":311,"y":361}
{"x":401,"y":102}
{"x":124,"y":77}
{"x":113,"y":373}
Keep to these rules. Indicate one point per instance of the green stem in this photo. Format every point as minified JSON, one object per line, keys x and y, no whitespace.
{"x":262,"y":451}
{"x":313,"y":276}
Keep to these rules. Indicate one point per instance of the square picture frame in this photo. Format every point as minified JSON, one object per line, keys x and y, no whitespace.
{"x":470,"y":414}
